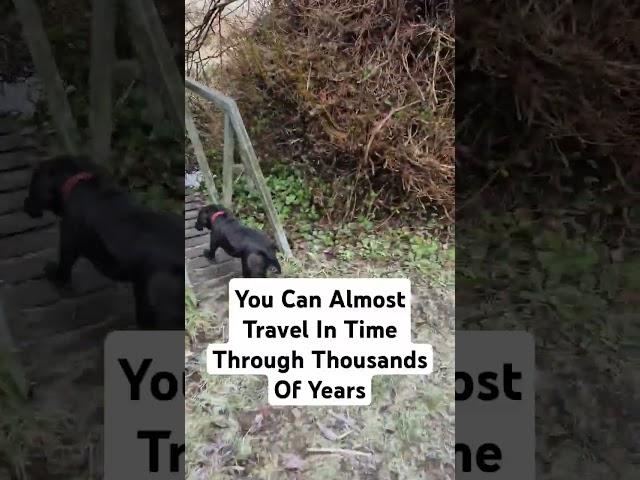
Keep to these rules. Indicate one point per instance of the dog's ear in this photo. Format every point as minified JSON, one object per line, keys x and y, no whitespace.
{"x":201,"y":221}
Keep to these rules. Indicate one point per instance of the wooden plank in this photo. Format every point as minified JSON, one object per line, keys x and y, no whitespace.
{"x":26,"y":267}
{"x":201,"y":241}
{"x":28,"y":243}
{"x":198,"y":149}
{"x":9,"y":124}
{"x":12,"y":201}
{"x":13,"y":143}
{"x":195,"y":200}
{"x":193,"y":207}
{"x":43,"y":60}
{"x":147,"y":18}
{"x":68,"y":315}
{"x":101,"y":78}
{"x":192,"y":233}
{"x":215,"y":270}
{"x":41,"y":292}
{"x":199,"y":262}
{"x":227,"y":163}
{"x":193,"y":251}
{"x":76,"y":341}
{"x":17,"y":222}
{"x":219,"y":99}
{"x":14,"y":180}
{"x":16,"y":160}
{"x":209,"y":286}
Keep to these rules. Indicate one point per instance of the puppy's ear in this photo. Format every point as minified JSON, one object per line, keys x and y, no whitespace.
{"x":201,"y":221}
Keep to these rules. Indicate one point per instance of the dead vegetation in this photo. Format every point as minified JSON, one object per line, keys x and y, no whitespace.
{"x":560,"y":82}
{"x":361,"y":88}
{"x":406,"y":433}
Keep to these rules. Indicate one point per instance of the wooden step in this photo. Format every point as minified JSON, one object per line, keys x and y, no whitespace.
{"x":17,"y":222}
{"x":28,"y":242}
{"x":215,"y":270}
{"x":193,"y":233}
{"x":26,"y":267}
{"x":12,"y":201}
{"x":204,"y":289}
{"x":12,"y":142}
{"x":40,"y":323}
{"x":14,"y":180}
{"x":40,"y":291}
{"x":18,"y":160}
{"x":196,"y":241}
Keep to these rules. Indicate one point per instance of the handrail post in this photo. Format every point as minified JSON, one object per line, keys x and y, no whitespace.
{"x":198,"y":149}
{"x":101,"y":78}
{"x":7,"y":345}
{"x":227,"y":162}
{"x":43,"y":60}
{"x":187,"y":280}
{"x":250,"y":160}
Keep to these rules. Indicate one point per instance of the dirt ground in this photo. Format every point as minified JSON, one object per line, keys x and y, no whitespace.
{"x":406,"y":433}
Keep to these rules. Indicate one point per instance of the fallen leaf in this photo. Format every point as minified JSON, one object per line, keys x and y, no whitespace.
{"x":293,"y":461}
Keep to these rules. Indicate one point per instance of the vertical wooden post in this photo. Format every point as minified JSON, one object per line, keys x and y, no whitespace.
{"x":45,"y":64}
{"x":187,"y":280}
{"x":101,"y":78}
{"x":8,"y":347}
{"x":253,"y":168}
{"x":152,"y":83}
{"x":227,"y":162}
{"x":194,"y":137}
{"x":147,"y":18}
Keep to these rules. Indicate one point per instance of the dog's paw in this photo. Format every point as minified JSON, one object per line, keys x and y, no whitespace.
{"x":207,"y":254}
{"x":52,"y":273}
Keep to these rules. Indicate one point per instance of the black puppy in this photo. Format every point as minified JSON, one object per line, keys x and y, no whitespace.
{"x":124,"y":241}
{"x":254,"y":248}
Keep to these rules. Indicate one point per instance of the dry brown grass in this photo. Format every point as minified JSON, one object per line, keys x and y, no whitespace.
{"x":559,"y":81}
{"x":367,"y":85}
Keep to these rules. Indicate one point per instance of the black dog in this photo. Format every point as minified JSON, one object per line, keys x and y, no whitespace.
{"x":254,"y":248}
{"x":124,"y":241}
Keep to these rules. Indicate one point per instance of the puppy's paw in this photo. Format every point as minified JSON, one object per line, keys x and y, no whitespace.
{"x":207,"y":254}
{"x":52,"y":273}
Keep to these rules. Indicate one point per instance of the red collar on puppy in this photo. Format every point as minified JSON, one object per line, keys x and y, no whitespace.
{"x":72,"y":181}
{"x":216,"y":215}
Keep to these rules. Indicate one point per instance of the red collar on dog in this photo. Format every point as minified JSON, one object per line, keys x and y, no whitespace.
{"x":72,"y":181}
{"x":216,"y":215}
